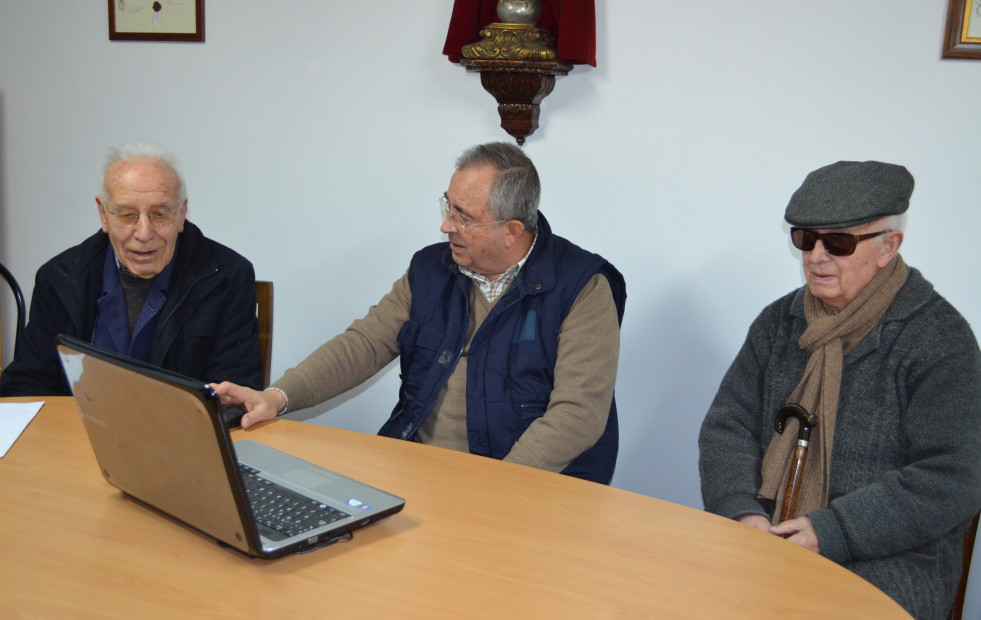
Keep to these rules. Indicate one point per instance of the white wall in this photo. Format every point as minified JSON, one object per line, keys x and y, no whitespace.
{"x":316,"y":136}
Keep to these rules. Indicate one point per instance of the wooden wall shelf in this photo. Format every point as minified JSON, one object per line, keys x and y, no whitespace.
{"x":519,"y":86}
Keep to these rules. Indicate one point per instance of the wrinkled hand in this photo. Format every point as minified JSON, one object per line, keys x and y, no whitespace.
{"x":258,"y":406}
{"x":758,"y":521}
{"x":799,"y":531}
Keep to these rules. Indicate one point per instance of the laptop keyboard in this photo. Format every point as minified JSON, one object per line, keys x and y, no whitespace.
{"x":283,"y":510}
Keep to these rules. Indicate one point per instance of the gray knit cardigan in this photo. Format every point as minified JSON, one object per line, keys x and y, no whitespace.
{"x":906,"y":462}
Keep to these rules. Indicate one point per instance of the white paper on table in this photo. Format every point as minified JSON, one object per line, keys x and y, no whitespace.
{"x":14,"y":418}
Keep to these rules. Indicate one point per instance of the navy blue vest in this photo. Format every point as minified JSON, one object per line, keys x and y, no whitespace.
{"x":512,"y":356}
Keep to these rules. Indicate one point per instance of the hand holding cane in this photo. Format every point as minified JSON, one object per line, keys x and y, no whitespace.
{"x":806,"y":421}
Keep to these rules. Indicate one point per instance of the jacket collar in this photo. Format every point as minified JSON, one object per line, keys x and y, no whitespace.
{"x":192,"y":261}
{"x":539,"y":273}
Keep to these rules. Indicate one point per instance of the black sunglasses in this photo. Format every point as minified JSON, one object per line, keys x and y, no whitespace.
{"x":835,"y":243}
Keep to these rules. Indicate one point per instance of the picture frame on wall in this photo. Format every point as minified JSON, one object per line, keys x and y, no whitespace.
{"x":962,"y":35}
{"x":156,"y":20}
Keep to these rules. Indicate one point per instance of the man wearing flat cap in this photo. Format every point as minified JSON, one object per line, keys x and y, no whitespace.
{"x":884,"y":374}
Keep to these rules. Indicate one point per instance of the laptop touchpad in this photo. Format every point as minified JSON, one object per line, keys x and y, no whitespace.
{"x":309,"y":478}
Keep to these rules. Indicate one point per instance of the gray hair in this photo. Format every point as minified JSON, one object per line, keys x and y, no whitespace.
{"x":896,"y":222}
{"x":147,"y":151}
{"x":515,"y":192}
{"x":892,"y":222}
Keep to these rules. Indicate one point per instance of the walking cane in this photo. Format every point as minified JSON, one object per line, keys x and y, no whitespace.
{"x":806,"y":421}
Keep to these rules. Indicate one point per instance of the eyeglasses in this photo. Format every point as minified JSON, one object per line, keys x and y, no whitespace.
{"x":458,"y":221}
{"x":835,"y":243}
{"x":159,"y":217}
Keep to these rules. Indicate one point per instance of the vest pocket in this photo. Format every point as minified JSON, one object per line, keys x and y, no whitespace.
{"x":528,"y":413}
{"x":527,"y":330}
{"x":424,"y":336}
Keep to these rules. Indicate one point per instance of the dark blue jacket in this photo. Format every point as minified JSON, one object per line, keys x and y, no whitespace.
{"x":207,"y":330}
{"x":512,"y":356}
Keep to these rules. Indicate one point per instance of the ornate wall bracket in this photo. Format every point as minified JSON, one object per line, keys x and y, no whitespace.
{"x":517,"y":65}
{"x":519,"y":86}
{"x":512,"y":42}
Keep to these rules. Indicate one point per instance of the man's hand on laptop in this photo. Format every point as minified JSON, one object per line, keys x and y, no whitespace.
{"x":258,"y":406}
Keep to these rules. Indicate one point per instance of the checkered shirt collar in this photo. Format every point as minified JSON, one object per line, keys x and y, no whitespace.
{"x":492,"y":289}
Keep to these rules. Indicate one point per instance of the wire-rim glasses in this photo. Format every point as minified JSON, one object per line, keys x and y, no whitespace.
{"x":457,"y":219}
{"x":159,"y":217}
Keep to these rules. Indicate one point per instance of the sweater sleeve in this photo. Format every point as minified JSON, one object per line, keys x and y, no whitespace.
{"x":353,"y":356}
{"x":730,"y":453}
{"x":585,"y":374}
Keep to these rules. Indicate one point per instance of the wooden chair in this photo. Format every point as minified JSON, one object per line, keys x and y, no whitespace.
{"x":264,"y":295}
{"x":21,"y":308}
{"x":969,"y":538}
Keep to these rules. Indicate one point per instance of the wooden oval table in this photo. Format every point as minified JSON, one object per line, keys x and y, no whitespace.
{"x":478,"y":538}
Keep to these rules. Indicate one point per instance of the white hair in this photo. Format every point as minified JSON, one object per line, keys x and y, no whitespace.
{"x":142,"y":150}
{"x":896,"y":222}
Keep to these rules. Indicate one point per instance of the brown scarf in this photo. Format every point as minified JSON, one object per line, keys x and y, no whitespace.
{"x":829,"y":337}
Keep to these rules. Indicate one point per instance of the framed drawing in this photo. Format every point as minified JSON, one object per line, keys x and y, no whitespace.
{"x":962,"y":36}
{"x":156,"y":20}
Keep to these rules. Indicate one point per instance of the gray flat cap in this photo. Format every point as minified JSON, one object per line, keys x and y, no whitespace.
{"x":849,"y":193}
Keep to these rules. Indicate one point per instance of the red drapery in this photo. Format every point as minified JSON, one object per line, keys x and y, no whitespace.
{"x":571,"y":22}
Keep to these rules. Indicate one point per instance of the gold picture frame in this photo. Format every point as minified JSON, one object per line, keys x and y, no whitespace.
{"x":962,"y":35}
{"x":156,"y":20}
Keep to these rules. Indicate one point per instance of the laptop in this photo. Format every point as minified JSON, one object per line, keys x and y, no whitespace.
{"x":162,"y":439}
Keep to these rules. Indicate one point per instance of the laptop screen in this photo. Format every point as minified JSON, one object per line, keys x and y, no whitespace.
{"x":155,"y":438}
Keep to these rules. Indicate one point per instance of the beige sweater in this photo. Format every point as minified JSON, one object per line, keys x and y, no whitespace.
{"x":585,"y":373}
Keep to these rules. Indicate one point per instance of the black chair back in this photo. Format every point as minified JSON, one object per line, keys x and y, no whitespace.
{"x":19,"y":300}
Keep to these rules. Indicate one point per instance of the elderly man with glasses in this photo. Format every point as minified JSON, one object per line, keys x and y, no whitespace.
{"x":508,"y":335}
{"x":149,"y":285}
{"x":879,"y":465}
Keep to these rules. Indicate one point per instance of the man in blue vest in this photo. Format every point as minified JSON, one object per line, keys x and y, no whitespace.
{"x":508,"y":335}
